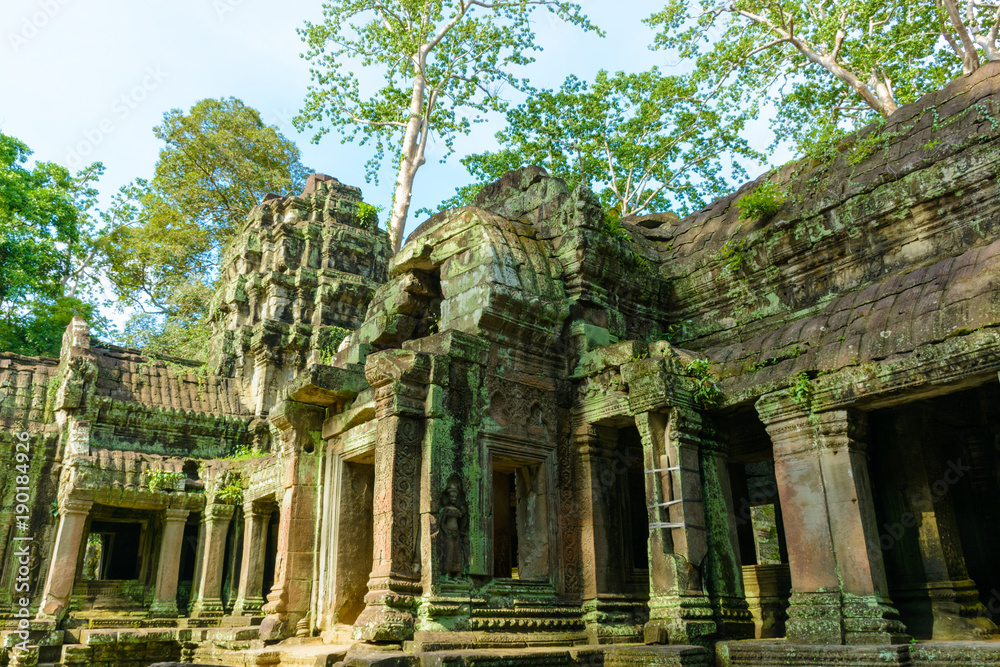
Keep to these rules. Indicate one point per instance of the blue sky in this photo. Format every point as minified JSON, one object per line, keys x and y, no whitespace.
{"x":86,"y":81}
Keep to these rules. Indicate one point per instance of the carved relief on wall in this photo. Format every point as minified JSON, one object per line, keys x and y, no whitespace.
{"x":453,"y":528}
{"x":522,"y":411}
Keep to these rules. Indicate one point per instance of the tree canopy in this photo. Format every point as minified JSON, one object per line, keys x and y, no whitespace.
{"x":643,"y":141}
{"x":219,"y":160}
{"x":43,"y":225}
{"x":38,"y":219}
{"x":441,"y":65}
{"x":836,"y":64}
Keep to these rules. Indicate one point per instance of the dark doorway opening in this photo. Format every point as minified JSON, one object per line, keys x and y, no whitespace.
{"x":118,"y":545}
{"x":935,"y":479}
{"x":504,"y":524}
{"x":271,"y":552}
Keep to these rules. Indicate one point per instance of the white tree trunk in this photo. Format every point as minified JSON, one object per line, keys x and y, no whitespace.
{"x":411,"y":161}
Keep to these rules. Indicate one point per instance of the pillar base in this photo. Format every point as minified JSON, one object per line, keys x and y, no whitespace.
{"x":680,"y":620}
{"x":733,"y":619}
{"x":248,"y":606}
{"x":834,"y":618}
{"x":278,"y":626}
{"x":163,"y":609}
{"x":947,"y":610}
{"x":614,"y":621}
{"x":387,"y":617}
{"x":207,"y":608}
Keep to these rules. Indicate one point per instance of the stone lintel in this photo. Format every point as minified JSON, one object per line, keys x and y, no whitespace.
{"x":454,"y":344}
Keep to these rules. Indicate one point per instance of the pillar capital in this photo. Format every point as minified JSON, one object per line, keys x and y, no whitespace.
{"x":794,"y":432}
{"x":215,"y":512}
{"x":176,"y":514}
{"x":74,"y":505}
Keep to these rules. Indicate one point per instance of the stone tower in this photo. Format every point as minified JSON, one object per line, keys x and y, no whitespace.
{"x":297,"y":278}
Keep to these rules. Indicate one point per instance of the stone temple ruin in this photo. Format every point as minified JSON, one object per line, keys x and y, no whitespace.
{"x":759,"y":441}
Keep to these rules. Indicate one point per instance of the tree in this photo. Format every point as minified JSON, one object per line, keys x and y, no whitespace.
{"x":219,"y":161}
{"x":840,"y":63}
{"x":443,"y":63}
{"x":43,"y":225}
{"x":643,"y":141}
{"x":38,"y":218}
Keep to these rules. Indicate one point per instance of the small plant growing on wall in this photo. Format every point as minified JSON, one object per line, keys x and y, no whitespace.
{"x":163,"y":480}
{"x":762,"y":203}
{"x":802,"y":389}
{"x":334,"y":337}
{"x":707,"y":392}
{"x":231,"y":493}
{"x":731,"y":255}
{"x":243,"y":453}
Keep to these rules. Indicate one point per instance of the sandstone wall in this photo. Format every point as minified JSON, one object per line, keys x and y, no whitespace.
{"x":890,"y":246}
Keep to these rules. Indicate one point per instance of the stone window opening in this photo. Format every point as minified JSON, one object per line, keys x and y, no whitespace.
{"x":189,"y":554}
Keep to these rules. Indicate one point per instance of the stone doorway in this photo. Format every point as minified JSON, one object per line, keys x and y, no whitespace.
{"x":189,"y":553}
{"x":112,"y":551}
{"x":935,"y":478}
{"x":520,"y":520}
{"x":114,"y":568}
{"x":354,"y":548}
{"x":271,"y":551}
{"x":759,"y":526}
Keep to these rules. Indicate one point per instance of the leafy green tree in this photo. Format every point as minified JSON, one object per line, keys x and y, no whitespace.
{"x":39,"y":330}
{"x":219,"y":160}
{"x":38,"y":218}
{"x":43,"y":225}
{"x":443,"y":63}
{"x":643,"y":141}
{"x":838,"y":63}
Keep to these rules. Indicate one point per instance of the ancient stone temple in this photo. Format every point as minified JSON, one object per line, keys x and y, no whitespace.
{"x":752,"y":436}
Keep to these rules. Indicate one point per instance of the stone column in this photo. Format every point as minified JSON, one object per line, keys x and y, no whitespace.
{"x":289,"y":600}
{"x":839,"y":589}
{"x":164,"y":603}
{"x":400,"y":379}
{"x":608,"y":612}
{"x":211,"y":552}
{"x":65,"y":557}
{"x":679,"y":610}
{"x":250,"y":596}
{"x":725,"y":581}
{"x":926,"y":524}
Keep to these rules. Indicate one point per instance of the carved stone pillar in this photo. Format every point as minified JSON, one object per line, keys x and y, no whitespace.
{"x":400,"y":379}
{"x":164,"y":603}
{"x":725,"y":581}
{"x":65,"y":557}
{"x":609,"y":613}
{"x":211,"y":551}
{"x":839,"y":589}
{"x":250,"y":596}
{"x":679,"y":611}
{"x":290,"y":596}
